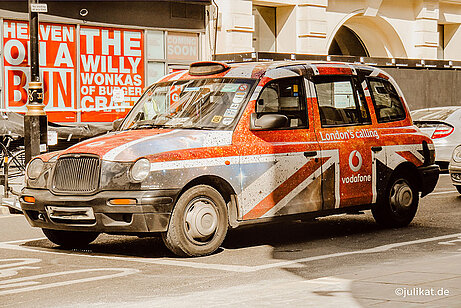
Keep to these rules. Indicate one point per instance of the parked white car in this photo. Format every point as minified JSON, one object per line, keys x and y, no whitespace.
{"x":443,"y":125}
{"x":455,"y":168}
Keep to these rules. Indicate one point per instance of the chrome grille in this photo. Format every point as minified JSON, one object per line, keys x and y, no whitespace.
{"x":76,"y":174}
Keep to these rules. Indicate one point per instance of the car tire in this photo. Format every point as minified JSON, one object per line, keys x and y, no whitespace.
{"x":70,"y":239}
{"x":398,"y":205}
{"x":458,"y":188}
{"x":198,"y":223}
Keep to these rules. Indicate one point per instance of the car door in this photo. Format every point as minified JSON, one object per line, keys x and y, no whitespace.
{"x":280,"y":166}
{"x":346,"y":138}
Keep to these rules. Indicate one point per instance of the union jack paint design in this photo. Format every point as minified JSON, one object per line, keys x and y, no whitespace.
{"x":275,"y":172}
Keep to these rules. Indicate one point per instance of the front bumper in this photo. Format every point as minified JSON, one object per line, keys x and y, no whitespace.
{"x":151,"y":213}
{"x":429,"y":176}
{"x":455,"y":173}
{"x":443,"y":151}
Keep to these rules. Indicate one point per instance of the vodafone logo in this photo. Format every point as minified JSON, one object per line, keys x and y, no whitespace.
{"x":355,"y":161}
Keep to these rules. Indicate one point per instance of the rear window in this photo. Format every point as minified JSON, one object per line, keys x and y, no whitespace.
{"x":386,"y":100}
{"x":341,"y":101}
{"x":432,"y":114}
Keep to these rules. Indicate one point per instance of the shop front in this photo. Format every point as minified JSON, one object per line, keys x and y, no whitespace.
{"x":93,"y":71}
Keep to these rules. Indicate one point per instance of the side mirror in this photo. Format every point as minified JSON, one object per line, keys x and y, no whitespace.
{"x":116,"y":124}
{"x":260,"y":105}
{"x":268,"y":121}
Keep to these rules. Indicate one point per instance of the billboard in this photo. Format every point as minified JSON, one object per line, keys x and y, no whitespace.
{"x":110,"y":62}
{"x":58,"y":68}
{"x":111,"y":72}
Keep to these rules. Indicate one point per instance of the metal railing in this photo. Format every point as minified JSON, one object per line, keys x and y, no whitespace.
{"x":373,"y":61}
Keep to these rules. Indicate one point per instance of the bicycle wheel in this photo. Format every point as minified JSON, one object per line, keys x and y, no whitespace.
{"x":16,"y":164}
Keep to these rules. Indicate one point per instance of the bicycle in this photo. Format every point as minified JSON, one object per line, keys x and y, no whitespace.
{"x":12,"y":166}
{"x":13,"y":157}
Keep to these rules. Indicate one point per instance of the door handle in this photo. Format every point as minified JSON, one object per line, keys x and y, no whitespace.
{"x":310,"y":153}
{"x":377,"y":149}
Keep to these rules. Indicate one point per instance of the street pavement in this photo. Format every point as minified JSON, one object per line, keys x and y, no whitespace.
{"x":344,"y":260}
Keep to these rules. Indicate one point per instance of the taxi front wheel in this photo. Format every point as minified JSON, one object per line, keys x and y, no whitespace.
{"x":398,"y":205}
{"x":71,"y":239}
{"x":198,"y":223}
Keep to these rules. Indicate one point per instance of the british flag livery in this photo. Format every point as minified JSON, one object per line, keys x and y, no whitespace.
{"x":296,"y":138}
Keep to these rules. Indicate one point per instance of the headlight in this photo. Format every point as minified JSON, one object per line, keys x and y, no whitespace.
{"x":34,"y":168}
{"x":140,"y":170}
{"x":457,"y":154}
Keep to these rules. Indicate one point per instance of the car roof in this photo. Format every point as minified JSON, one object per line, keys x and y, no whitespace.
{"x":278,"y":69}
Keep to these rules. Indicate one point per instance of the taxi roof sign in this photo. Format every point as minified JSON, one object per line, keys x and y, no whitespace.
{"x":207,"y":68}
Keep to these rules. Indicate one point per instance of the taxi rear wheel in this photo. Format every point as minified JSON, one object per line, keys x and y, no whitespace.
{"x":70,"y":239}
{"x":198,"y":223}
{"x":458,"y":188}
{"x":398,"y":205}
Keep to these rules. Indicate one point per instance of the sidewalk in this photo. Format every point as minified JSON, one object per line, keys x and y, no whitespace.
{"x":390,"y":284}
{"x":428,"y":282}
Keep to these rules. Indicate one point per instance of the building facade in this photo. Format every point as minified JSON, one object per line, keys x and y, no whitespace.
{"x":97,"y":56}
{"x":413,"y":29}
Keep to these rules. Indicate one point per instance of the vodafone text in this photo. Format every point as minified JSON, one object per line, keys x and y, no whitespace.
{"x":356,"y":179}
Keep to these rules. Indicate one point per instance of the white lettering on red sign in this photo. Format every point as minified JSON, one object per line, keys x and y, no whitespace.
{"x":111,"y":60}
{"x":57,"y":68}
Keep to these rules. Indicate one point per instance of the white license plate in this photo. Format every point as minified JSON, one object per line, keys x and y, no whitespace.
{"x":72,"y":213}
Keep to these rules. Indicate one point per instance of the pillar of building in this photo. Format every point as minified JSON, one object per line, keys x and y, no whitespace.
{"x":311,"y":24}
{"x":450,"y":17}
{"x":426,"y":36}
{"x":235,"y":26}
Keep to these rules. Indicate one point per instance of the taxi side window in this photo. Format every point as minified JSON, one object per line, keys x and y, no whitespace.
{"x":341,"y":101}
{"x":284,"y":96}
{"x":386,"y":100}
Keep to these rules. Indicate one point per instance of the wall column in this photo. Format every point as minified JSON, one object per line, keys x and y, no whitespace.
{"x":426,"y":35}
{"x":450,"y":17}
{"x":311,"y":24}
{"x":235,"y":26}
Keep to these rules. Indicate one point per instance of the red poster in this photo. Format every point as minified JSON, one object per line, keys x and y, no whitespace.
{"x":57,"y":68}
{"x":111,"y":72}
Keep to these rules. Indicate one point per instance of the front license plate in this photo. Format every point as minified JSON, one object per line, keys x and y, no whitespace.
{"x":71,"y":213}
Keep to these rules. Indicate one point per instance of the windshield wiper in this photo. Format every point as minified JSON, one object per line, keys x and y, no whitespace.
{"x":149,"y":125}
{"x":197,"y":128}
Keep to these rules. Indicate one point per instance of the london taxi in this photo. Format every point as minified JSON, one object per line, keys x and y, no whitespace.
{"x":224,"y":145}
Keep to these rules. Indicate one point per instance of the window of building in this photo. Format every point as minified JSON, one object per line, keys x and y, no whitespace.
{"x":155,"y":56}
{"x":341,"y":102}
{"x":155,"y":70}
{"x":386,"y":100}
{"x":284,"y":96}
{"x":264,"y":36}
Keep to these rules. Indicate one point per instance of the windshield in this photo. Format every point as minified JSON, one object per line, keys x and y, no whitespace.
{"x":433,"y":114}
{"x":199,"y":104}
